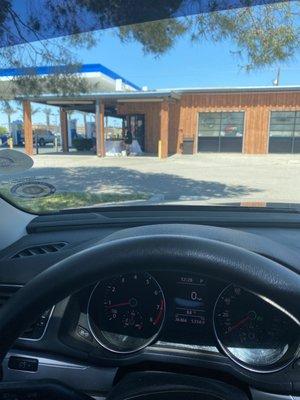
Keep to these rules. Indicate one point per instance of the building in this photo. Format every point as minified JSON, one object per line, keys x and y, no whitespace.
{"x":249,"y":120}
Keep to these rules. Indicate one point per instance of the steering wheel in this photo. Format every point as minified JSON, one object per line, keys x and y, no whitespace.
{"x":148,"y":253}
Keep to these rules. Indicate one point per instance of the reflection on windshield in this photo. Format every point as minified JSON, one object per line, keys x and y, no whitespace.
{"x":177,"y":105}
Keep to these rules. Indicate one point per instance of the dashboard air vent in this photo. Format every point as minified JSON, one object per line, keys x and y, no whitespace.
{"x":40,"y":250}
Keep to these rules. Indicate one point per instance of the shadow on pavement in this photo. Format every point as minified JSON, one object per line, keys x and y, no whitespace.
{"x":124,"y":180}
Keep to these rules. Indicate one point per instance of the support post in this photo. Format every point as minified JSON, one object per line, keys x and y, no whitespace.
{"x":164,"y":129}
{"x":64,"y":130}
{"x":100,"y":137}
{"x":28,"y":136}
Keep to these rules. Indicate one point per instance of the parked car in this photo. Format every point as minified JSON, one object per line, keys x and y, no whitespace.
{"x":43,"y":137}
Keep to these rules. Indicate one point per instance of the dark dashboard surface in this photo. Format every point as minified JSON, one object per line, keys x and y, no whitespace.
{"x":191,"y":328}
{"x":275,"y":235}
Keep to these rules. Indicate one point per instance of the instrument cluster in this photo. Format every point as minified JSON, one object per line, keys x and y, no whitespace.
{"x":128,"y":312}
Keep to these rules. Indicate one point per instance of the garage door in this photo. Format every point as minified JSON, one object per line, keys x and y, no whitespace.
{"x":221,"y":132}
{"x":284,"y":133}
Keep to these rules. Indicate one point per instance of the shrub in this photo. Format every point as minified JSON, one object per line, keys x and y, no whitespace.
{"x":82,"y":144}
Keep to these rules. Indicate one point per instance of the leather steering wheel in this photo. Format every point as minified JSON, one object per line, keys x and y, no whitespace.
{"x":148,"y":253}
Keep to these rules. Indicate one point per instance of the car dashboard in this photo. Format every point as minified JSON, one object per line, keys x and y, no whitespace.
{"x":171,"y":321}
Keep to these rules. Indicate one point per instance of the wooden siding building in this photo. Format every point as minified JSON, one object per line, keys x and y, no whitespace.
{"x":246,"y":120}
{"x":184,"y":114}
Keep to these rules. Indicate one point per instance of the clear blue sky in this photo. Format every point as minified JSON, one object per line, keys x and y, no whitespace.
{"x":185,"y":65}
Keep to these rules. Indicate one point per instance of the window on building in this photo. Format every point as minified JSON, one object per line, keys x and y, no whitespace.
{"x":284,"y":133}
{"x":221,"y":131}
{"x":210,"y":124}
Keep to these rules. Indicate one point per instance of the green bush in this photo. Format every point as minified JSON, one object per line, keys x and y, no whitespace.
{"x":83,"y":144}
{"x":3,"y":131}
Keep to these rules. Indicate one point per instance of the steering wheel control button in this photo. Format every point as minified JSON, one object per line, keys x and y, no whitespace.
{"x":84,"y":333}
{"x":37,"y":330}
{"x":23,"y":364}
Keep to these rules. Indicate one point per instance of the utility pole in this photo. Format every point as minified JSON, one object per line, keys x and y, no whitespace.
{"x":277,"y":80}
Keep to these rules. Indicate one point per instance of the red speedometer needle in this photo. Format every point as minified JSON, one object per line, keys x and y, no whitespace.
{"x":126,"y":303}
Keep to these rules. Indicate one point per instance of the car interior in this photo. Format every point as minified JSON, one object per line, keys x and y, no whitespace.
{"x":161,"y":302}
{"x":147,"y":301}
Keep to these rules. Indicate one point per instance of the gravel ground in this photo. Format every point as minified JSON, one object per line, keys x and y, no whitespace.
{"x":204,"y":178}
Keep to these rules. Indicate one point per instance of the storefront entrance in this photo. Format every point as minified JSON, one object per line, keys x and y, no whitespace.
{"x":221,"y":132}
{"x":136,"y":124}
{"x":116,"y":139}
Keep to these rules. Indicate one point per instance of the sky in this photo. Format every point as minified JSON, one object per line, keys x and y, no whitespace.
{"x":202,"y":64}
{"x":188,"y":64}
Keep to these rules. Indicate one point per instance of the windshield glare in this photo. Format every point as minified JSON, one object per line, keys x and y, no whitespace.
{"x":175,"y":105}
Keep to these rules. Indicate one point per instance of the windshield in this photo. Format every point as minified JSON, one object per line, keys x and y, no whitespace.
{"x":136,"y":103}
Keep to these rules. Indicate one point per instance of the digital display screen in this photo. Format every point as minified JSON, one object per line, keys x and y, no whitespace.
{"x":190,"y":299}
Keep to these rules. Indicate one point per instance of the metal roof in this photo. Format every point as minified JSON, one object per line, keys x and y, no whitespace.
{"x":235,"y":89}
{"x":106,"y":95}
{"x":86,"y":101}
{"x":149,"y":94}
{"x":159,"y":93}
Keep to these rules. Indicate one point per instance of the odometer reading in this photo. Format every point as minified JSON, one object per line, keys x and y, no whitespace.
{"x":251,"y":331}
{"x":126,"y":312}
{"x":190,"y":292}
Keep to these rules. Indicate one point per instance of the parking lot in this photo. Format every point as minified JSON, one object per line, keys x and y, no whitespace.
{"x":205,"y":178}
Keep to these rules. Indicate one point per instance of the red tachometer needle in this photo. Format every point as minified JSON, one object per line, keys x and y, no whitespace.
{"x":126,"y":303}
{"x":160,"y":313}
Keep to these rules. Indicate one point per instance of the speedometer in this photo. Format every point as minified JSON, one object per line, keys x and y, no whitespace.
{"x":126,"y":312}
{"x":252,"y":332}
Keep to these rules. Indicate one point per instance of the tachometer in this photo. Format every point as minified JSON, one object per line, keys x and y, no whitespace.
{"x":252,"y":332}
{"x":126,"y":312}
